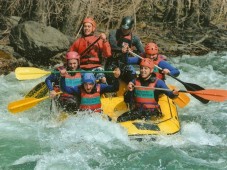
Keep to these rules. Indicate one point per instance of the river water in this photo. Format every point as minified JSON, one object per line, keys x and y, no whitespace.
{"x":35,"y":139}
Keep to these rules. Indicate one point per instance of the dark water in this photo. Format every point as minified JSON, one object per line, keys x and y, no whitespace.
{"x":36,"y":140}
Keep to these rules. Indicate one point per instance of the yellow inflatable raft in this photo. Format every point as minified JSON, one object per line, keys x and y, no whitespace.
{"x":167,"y":124}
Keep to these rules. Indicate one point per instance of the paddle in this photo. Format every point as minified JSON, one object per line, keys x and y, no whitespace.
{"x":25,"y":104}
{"x":188,"y":86}
{"x":217,"y":95}
{"x":192,"y":87}
{"x":39,"y":91}
{"x":28,"y":73}
{"x":90,"y":46}
{"x":182,"y":99}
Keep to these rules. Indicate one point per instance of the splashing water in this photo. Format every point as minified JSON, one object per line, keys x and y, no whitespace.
{"x":35,"y":139}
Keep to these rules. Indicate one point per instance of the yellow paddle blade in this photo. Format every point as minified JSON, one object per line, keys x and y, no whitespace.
{"x":39,"y":91}
{"x":182,"y":100}
{"x":28,"y":73}
{"x":24,"y":104}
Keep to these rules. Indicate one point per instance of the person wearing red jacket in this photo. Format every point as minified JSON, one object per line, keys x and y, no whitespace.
{"x":92,"y":58}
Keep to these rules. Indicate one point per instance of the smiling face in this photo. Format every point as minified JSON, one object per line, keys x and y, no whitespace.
{"x":73,"y":64}
{"x":88,"y":87}
{"x":87,"y":28}
{"x":145,"y":72}
{"x":153,"y":57}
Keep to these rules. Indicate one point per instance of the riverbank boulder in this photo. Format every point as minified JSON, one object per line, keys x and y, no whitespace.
{"x":9,"y":60}
{"x":37,"y":42}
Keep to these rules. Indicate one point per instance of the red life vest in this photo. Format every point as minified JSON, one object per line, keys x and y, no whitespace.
{"x":144,"y":97}
{"x":91,"y":101}
{"x":158,"y":72}
{"x":92,"y":58}
{"x":121,"y":39}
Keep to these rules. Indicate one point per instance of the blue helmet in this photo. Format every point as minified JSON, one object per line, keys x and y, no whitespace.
{"x":88,"y":78}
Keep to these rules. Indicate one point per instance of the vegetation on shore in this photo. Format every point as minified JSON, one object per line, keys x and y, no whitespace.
{"x":177,"y":26}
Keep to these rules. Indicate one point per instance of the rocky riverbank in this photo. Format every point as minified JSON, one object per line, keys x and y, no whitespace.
{"x":33,"y":44}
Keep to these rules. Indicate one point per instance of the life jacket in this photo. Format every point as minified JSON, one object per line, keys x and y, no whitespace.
{"x":74,"y":80}
{"x":70,"y":81}
{"x":144,"y":97}
{"x":158,"y":72}
{"x":91,"y":58}
{"x":91,"y":101}
{"x":121,"y":39}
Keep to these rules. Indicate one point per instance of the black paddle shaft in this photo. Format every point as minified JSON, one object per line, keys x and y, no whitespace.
{"x":86,"y":50}
{"x":188,"y":86}
{"x":192,"y":87}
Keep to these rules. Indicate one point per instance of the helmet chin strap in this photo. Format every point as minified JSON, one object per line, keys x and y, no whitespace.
{"x":156,"y":57}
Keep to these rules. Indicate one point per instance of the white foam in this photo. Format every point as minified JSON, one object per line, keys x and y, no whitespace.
{"x":194,"y":133}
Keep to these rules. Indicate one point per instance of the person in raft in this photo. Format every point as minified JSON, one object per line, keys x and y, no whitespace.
{"x":121,"y":40}
{"x":92,"y":59}
{"x":152,"y":52}
{"x":145,"y":100}
{"x":68,"y":102}
{"x":90,"y":92}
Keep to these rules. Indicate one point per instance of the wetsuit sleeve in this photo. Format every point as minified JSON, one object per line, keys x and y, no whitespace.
{"x":128,"y":96}
{"x":70,"y":90}
{"x":51,"y":79}
{"x":138,"y":44}
{"x":113,"y":41}
{"x":133,"y":60}
{"x":161,"y":84}
{"x":105,"y":88}
{"x":173,"y":71}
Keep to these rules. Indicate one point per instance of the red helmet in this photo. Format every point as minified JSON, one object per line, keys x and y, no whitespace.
{"x":90,"y":20}
{"x":146,"y":62}
{"x":73,"y":55}
{"x":151,"y":48}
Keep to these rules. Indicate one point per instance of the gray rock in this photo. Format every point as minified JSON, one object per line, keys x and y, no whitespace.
{"x":12,"y":21}
{"x":37,"y":42}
